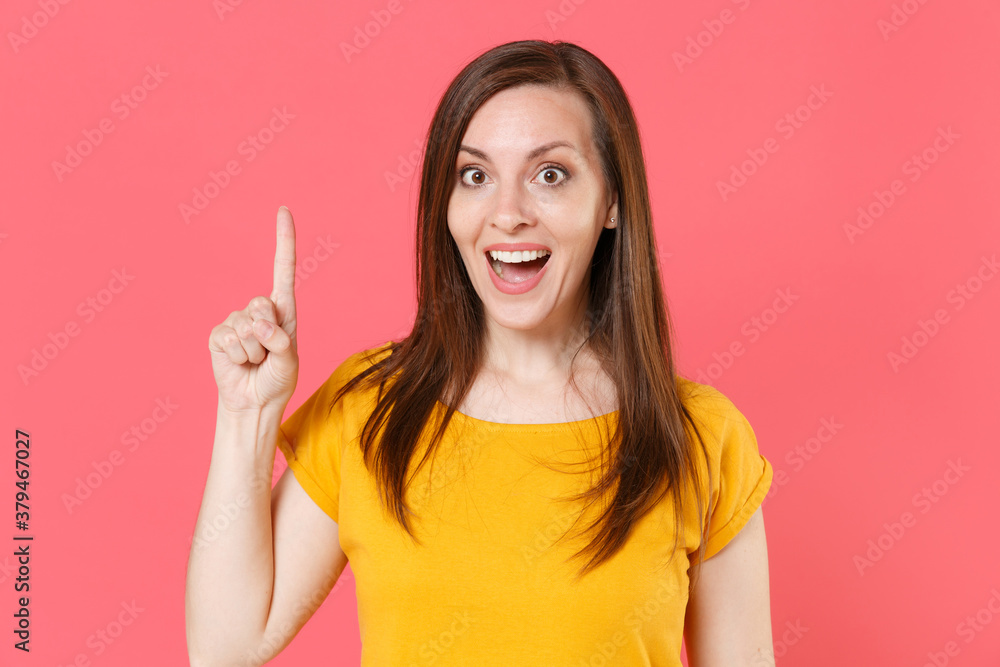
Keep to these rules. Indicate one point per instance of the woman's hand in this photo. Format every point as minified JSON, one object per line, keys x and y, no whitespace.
{"x":254,"y":352}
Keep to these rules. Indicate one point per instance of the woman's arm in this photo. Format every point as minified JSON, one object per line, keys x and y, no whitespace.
{"x":261,"y":563}
{"x":728,"y":621}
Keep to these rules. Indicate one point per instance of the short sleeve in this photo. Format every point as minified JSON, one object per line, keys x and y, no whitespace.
{"x":314,"y":444}
{"x":741,"y":475}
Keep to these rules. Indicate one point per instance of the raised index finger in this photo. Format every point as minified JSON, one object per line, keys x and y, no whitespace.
{"x":283,"y":291}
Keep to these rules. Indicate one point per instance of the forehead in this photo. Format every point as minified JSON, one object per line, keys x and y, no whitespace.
{"x":518,"y":119}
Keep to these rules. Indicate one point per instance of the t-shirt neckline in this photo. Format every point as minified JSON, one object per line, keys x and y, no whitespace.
{"x":548,"y":426}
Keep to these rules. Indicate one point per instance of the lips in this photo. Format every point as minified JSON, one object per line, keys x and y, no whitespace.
{"x":516,"y":277}
{"x":518,"y":266}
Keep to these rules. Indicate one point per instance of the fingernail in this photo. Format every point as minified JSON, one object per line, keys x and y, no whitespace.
{"x":263,"y":328}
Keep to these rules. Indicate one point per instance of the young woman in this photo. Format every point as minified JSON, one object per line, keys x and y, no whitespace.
{"x":524,"y":479}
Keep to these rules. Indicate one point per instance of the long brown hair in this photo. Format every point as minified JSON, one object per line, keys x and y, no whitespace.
{"x":628,"y":327}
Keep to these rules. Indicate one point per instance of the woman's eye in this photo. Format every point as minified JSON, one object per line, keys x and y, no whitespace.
{"x":549,"y":175}
{"x":478,"y":177}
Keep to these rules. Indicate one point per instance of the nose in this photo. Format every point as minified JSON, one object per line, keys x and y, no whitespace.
{"x":511,"y":207}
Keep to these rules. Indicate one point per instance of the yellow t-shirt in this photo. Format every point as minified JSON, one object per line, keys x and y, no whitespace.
{"x":492,"y":583}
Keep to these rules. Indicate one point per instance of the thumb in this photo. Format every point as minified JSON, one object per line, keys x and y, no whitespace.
{"x":278,"y":344}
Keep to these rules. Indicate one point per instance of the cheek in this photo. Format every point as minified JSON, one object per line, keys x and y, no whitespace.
{"x":461,"y":204}
{"x":573,"y":208}
{"x":462,"y":223}
{"x":461,"y":238}
{"x":457,"y":218}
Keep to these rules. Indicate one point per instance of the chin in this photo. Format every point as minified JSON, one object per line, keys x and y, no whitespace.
{"x":512,"y":316}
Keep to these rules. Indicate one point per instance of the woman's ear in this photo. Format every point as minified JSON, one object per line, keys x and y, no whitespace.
{"x":612,"y":218}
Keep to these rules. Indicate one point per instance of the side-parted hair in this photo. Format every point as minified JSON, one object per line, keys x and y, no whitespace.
{"x":628,"y":326}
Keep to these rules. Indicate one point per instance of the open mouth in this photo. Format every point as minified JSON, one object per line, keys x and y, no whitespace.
{"x":519,"y":265}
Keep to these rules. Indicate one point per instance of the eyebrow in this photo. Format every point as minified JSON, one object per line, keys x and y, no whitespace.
{"x":541,"y":150}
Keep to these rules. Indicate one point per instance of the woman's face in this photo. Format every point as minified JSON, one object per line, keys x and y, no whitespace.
{"x":528,"y":174}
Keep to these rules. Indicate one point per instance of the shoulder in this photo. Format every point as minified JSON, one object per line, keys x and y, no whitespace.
{"x":344,"y":372}
{"x":349,"y":368}
{"x":706,"y":402}
{"x":354,"y":364}
{"x":714,"y":414}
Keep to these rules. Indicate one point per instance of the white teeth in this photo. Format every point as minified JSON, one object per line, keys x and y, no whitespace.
{"x":518,"y":255}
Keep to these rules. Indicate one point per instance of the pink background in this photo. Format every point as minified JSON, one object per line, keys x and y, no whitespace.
{"x":724,"y":259}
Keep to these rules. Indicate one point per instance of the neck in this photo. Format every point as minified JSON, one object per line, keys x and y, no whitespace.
{"x":541,"y":355}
